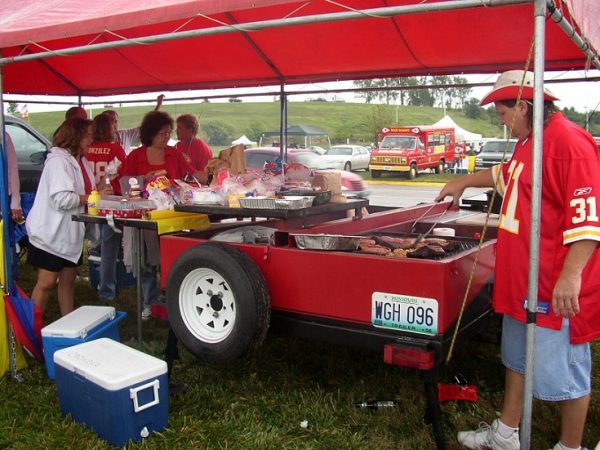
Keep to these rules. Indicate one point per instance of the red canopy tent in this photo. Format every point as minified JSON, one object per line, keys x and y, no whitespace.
{"x":176,"y":45}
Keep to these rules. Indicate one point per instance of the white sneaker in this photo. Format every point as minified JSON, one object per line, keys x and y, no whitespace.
{"x":146,"y":313}
{"x":487,"y":436}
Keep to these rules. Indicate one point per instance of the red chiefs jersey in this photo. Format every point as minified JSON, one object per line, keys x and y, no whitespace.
{"x":100,"y":154}
{"x":569,"y":213}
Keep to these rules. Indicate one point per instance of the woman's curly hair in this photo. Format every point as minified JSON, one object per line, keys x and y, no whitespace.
{"x":153,"y":122}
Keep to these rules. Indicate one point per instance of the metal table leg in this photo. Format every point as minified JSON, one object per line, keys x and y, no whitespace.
{"x":138,"y":242}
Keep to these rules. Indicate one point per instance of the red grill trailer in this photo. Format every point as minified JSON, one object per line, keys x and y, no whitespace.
{"x":223,"y":296}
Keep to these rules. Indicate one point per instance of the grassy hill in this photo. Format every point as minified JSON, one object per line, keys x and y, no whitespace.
{"x":355,"y":122}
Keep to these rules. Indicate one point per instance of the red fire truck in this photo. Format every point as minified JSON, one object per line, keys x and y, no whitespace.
{"x":413,"y":149}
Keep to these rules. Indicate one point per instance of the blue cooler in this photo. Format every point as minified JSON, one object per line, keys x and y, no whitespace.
{"x":119,"y":392}
{"x":84,"y":324}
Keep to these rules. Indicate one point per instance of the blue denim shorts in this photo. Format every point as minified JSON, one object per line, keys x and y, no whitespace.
{"x":561,"y":371}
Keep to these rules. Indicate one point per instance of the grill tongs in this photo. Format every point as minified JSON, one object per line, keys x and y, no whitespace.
{"x":426,"y":233}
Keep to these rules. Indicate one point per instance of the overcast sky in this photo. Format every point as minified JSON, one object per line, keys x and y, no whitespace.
{"x":583,"y":96}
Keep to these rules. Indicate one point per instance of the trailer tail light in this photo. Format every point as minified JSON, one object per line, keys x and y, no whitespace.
{"x":409,"y":357}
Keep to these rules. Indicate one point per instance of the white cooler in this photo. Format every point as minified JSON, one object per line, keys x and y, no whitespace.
{"x":119,"y":392}
{"x":84,"y":324}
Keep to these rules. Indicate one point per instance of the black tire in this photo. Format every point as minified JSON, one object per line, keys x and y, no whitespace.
{"x":218,"y":302}
{"x":412,"y":173}
{"x":348,"y":166}
{"x":375,"y":174}
{"x":441,"y":167}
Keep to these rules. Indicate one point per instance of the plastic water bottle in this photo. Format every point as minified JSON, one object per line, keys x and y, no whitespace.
{"x":93,"y":203}
{"x":377,"y":404}
{"x":106,"y":186}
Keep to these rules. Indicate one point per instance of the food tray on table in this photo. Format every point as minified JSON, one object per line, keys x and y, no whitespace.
{"x":327,"y":242}
{"x":124,"y":207}
{"x":320,"y":197}
{"x":287,"y":202}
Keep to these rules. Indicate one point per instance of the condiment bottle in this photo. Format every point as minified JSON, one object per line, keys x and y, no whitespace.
{"x":106,"y":186}
{"x":93,"y":203}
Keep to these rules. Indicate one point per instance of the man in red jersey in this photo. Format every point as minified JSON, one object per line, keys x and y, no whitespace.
{"x":568,"y":315}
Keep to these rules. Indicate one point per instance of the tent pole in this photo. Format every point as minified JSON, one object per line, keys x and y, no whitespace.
{"x":6,"y":213}
{"x":7,"y":247}
{"x":536,"y":196}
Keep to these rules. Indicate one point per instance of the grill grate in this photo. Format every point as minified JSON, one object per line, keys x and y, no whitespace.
{"x":464,"y":244}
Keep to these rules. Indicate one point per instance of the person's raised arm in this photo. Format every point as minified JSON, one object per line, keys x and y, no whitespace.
{"x":456,"y":187}
{"x":159,"y":102}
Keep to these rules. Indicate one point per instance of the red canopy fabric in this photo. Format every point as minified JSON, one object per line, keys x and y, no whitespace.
{"x":475,"y":40}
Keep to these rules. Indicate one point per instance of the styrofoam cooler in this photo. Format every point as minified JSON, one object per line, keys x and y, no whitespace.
{"x":119,"y":392}
{"x":84,"y":324}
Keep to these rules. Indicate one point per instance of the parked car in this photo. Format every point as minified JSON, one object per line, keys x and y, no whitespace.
{"x":352,"y":184}
{"x":31,"y":148}
{"x":352,"y":157}
{"x":491,"y":153}
{"x":597,"y":139}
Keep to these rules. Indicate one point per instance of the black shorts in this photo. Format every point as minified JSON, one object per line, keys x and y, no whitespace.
{"x":41,"y":259}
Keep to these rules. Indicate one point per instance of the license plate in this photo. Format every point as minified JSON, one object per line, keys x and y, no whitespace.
{"x":387,"y":167}
{"x":404,"y":312}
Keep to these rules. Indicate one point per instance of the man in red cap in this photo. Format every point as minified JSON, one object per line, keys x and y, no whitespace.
{"x":568,"y":315}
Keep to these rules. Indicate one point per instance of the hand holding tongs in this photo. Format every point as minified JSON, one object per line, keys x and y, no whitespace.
{"x":426,"y":233}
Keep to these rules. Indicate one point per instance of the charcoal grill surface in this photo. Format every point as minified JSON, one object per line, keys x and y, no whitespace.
{"x":464,"y":244}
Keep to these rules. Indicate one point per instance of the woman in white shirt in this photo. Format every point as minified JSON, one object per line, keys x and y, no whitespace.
{"x":56,"y":242}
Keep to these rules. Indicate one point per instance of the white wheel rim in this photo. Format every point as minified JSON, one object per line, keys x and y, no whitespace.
{"x":207,"y":305}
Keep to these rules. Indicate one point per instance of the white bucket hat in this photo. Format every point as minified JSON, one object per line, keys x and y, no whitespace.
{"x":507,"y":88}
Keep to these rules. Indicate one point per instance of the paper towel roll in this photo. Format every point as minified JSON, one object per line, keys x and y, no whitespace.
{"x":443,"y":232}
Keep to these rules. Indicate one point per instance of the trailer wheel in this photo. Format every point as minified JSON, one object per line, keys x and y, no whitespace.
{"x":441,"y":167}
{"x":412,"y":173}
{"x":218,"y":302}
{"x":375,"y":174}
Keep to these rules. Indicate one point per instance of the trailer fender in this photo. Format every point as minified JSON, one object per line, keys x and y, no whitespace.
{"x":218,"y":302}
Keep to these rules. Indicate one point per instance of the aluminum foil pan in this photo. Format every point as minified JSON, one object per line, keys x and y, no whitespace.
{"x":327,"y":242}
{"x":290,"y":202}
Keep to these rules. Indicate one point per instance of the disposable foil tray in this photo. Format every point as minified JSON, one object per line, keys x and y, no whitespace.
{"x":320,"y":197}
{"x":276,"y":203}
{"x":330,"y":242}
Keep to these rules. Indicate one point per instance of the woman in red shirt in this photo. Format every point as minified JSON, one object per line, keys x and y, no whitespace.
{"x":155,"y":157}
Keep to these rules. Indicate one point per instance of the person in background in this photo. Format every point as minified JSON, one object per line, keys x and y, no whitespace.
{"x":194,"y":149}
{"x":568,"y":316}
{"x":155,"y":158}
{"x":101,"y":155}
{"x":56,"y":242}
{"x":129,"y":137}
{"x":76,"y":111}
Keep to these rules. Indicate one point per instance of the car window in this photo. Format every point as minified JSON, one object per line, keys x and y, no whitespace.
{"x":26,"y":144}
{"x":404,"y":142}
{"x":498,"y":147}
{"x":341,"y":151}
{"x":257,"y":160}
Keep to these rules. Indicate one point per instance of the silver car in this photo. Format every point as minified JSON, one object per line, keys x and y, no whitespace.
{"x":31,"y":148}
{"x":349,"y":157}
{"x":492,"y":151}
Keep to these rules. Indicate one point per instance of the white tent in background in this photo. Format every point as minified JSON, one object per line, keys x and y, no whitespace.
{"x":245,"y":141}
{"x":462,"y":135}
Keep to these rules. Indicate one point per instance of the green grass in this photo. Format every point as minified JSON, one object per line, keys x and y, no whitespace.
{"x":355,"y":122}
{"x":259,"y":403}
